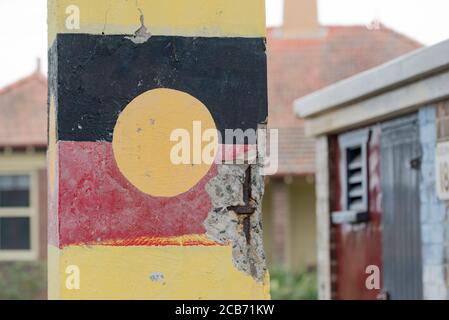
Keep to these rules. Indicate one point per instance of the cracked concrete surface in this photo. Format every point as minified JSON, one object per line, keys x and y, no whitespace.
{"x":224,"y":226}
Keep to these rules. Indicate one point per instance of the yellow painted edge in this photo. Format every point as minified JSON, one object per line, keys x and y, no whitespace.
{"x":53,"y":271}
{"x":51,"y":21}
{"x":195,"y":18}
{"x":170,"y":272}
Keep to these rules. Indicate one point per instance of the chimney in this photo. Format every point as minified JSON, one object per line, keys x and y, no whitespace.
{"x":300,"y":18}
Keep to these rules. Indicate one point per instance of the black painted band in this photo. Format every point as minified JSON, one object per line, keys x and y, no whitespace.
{"x":99,"y":75}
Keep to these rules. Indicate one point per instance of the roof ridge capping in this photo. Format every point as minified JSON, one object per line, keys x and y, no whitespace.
{"x":418,"y":64}
{"x":36,"y":75}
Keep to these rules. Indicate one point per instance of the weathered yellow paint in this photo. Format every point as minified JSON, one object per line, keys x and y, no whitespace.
{"x":195,"y":272}
{"x":52,"y":21}
{"x":142,"y":146}
{"x":53,"y":271}
{"x":199,"y":18}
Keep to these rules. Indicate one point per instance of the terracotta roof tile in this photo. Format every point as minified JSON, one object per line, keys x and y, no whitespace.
{"x":297,"y":67}
{"x":23,"y":113}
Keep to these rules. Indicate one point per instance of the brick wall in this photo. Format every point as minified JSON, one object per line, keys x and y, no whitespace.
{"x":434,"y":124}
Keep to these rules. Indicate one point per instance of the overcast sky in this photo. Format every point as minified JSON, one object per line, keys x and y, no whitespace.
{"x":23,"y":25}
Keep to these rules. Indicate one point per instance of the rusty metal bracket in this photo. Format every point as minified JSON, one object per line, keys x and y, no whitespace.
{"x":247,"y":209}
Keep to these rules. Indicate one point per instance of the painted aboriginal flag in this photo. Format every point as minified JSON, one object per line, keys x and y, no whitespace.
{"x":116,"y":200}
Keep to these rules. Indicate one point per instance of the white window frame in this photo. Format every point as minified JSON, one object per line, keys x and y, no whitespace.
{"x":22,"y":165}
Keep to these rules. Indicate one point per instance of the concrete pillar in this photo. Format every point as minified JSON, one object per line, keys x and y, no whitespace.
{"x":323,"y":218}
{"x":144,"y":202}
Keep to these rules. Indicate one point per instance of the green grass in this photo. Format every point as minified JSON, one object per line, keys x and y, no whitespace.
{"x":23,"y":280}
{"x":287,"y":285}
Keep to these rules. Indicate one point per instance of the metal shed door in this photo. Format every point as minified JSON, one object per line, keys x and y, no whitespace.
{"x":400,"y":171}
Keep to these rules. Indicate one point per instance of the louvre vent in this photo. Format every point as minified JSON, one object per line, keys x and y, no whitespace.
{"x":354,"y":177}
{"x":356,"y":182}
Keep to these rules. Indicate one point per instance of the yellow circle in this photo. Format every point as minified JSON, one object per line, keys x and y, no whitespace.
{"x":143,"y":142}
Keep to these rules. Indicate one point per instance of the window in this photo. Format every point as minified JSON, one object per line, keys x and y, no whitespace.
{"x":17,"y":216}
{"x":15,"y":234}
{"x":354,"y":169}
{"x":14,"y":191}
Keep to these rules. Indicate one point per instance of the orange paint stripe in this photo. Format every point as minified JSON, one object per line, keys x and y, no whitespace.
{"x":189,"y":240}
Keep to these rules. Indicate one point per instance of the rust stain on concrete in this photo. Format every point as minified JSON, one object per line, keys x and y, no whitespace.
{"x":243,"y":231}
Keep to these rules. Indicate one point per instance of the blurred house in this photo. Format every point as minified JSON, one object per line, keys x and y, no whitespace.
{"x":383,"y":179}
{"x":23,"y":186}
{"x":304,"y":56}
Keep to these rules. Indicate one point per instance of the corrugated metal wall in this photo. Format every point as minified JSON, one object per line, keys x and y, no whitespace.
{"x":400,"y":172}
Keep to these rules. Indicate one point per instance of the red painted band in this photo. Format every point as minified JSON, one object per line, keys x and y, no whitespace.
{"x":97,"y":203}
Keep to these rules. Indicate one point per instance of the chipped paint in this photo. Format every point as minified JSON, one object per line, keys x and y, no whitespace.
{"x":157,"y":276}
{"x":193,"y":18}
{"x":224,"y":225}
{"x":142,"y":34}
